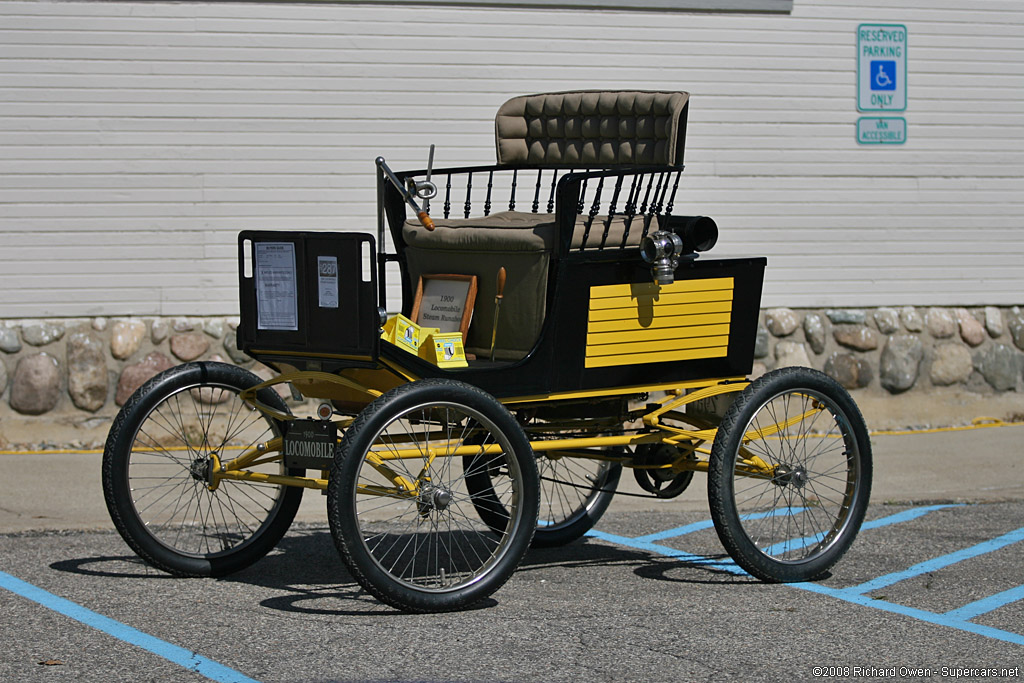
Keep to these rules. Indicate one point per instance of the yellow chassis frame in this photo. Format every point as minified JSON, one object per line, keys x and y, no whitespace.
{"x":689,"y":441}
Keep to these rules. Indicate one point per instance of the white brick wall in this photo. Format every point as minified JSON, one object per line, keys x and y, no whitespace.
{"x":136,"y":139}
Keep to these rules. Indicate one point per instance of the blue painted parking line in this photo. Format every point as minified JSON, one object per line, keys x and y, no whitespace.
{"x":920,"y":614}
{"x":937,"y":563}
{"x":986,"y":605}
{"x":690,"y":558}
{"x":178,"y":655}
{"x":708,"y":524}
{"x":906,"y":515}
{"x":958,"y":618}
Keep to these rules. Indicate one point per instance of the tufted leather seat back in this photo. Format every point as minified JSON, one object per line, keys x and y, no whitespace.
{"x":592,"y":129}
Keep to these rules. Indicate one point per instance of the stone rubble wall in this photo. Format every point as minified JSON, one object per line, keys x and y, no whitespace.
{"x":81,"y":371}
{"x":892,"y":351}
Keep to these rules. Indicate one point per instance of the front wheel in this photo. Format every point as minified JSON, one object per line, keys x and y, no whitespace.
{"x":790,"y":475}
{"x":156,"y":472}
{"x":401,"y":513}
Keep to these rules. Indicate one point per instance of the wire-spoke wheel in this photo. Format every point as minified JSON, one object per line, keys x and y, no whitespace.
{"x":157,"y":472}
{"x":574,"y":493}
{"x":790,"y":475}
{"x":401,"y":513}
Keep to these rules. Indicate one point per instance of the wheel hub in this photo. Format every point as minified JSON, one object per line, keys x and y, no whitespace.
{"x":787,"y":475}
{"x":433,"y":498}
{"x":203,"y":469}
{"x":200,"y":469}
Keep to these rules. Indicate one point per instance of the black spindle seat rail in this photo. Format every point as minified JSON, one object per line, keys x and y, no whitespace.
{"x":612,"y":209}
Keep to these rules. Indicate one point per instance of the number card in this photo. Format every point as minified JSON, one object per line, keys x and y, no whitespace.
{"x":445,"y":302}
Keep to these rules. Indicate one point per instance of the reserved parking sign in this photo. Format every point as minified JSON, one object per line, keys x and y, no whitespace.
{"x":882,"y":67}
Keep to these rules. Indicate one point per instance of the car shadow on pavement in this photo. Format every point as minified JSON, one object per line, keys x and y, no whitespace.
{"x":588,"y":553}
{"x":306,"y":575}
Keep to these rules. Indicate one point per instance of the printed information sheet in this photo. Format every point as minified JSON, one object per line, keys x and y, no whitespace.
{"x":276,"y":292}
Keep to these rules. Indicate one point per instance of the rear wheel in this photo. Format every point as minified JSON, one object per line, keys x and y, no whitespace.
{"x":401,"y":512}
{"x":790,"y":475}
{"x":574,"y":493}
{"x":157,"y":464}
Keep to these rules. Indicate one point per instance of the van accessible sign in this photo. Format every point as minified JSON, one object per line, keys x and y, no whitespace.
{"x":881,"y":130}
{"x":881,"y":67}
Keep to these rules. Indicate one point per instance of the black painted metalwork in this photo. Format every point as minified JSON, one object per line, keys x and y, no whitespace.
{"x":490,"y":187}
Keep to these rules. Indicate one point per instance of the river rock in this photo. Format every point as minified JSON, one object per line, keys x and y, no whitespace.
{"x":231,"y":348}
{"x":846,"y":316}
{"x":761,"y":342}
{"x":848,"y":370}
{"x":1015,"y":323}
{"x":99,"y":323}
{"x":911,"y":319}
{"x":757,"y":370}
{"x":971,"y":330}
{"x":856,"y":337}
{"x":781,"y":322}
{"x":940,"y":323}
{"x":951,"y":364}
{"x":126,"y":338}
{"x":900,"y":362}
{"x":214,"y":328}
{"x":182,"y":325}
{"x":814,"y":331}
{"x":87,"y":371}
{"x":41,"y":334}
{"x":789,"y":353}
{"x":993,"y":321}
{"x":36,"y":386}
{"x":3,"y":378}
{"x":159,"y":331}
{"x":189,"y":346}
{"x":134,"y":376}
{"x":9,"y":342}
{"x":1000,"y":365}
{"x":887,"y":320}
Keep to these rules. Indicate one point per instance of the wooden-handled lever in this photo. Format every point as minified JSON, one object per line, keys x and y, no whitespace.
{"x":497,"y":307}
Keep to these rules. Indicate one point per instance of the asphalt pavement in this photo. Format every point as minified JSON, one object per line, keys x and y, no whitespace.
{"x":932,"y":589}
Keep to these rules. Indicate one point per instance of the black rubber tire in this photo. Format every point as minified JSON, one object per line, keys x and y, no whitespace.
{"x":796,"y":524}
{"x":427,"y":552}
{"x":567,"y":510}
{"x":167,"y":515}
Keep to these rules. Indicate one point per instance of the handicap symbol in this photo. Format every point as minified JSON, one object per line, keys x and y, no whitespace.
{"x":883,"y":75}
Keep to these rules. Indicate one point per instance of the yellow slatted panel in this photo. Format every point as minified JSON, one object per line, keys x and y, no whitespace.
{"x":645,"y":323}
{"x":659,"y":346}
{"x":659,"y":323}
{"x":667,"y":333}
{"x":649,"y":288}
{"x":658,"y":357}
{"x":647,"y":310}
{"x":680,"y":298}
